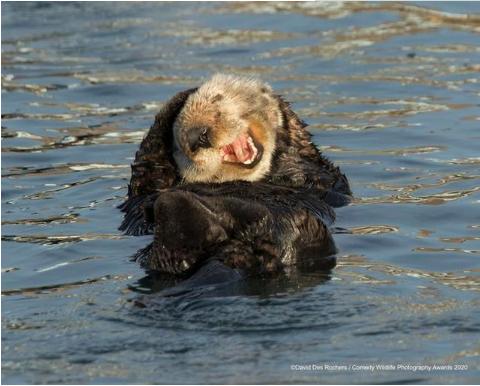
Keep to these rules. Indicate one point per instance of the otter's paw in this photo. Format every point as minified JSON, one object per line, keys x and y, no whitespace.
{"x":186,"y":233}
{"x":183,"y":221}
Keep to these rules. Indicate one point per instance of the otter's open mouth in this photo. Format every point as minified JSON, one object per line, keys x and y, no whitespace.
{"x":244,"y":151}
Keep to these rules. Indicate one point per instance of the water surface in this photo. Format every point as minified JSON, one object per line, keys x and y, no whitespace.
{"x":391,"y":93}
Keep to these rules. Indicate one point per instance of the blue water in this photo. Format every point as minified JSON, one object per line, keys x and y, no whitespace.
{"x":391,"y":93}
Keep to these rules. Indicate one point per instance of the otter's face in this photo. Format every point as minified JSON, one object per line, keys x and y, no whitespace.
{"x":226,"y":131}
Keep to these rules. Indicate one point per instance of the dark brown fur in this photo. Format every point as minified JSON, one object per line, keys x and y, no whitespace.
{"x":246,"y":225}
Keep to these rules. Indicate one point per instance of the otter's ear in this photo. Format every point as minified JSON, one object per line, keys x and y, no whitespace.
{"x":154,"y":167}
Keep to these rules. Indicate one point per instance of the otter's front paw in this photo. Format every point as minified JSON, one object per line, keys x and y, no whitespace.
{"x":182,"y":221}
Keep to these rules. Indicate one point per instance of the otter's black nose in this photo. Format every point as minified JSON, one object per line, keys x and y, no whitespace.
{"x":198,"y":137}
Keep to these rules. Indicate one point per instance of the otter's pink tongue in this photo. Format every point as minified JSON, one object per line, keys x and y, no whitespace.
{"x":241,"y":148}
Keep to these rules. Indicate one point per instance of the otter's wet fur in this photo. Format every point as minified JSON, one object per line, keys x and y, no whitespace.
{"x":257,"y":219}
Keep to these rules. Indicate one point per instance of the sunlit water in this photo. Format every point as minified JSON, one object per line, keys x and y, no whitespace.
{"x":392,"y":95}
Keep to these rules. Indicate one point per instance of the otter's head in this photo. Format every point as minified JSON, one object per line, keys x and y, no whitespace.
{"x":227,"y":130}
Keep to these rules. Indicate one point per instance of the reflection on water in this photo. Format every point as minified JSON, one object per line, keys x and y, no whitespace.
{"x":391,"y":93}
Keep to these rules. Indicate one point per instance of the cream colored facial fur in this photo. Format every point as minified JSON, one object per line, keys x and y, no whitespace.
{"x":228,"y":106}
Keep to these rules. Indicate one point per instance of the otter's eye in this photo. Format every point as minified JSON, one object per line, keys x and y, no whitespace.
{"x":198,"y":137}
{"x":203,"y":140}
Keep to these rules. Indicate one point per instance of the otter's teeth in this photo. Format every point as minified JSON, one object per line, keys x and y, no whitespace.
{"x":254,"y":151}
{"x":252,"y":145}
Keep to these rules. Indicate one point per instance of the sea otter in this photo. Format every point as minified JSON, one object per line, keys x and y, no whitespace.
{"x":228,"y":177}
